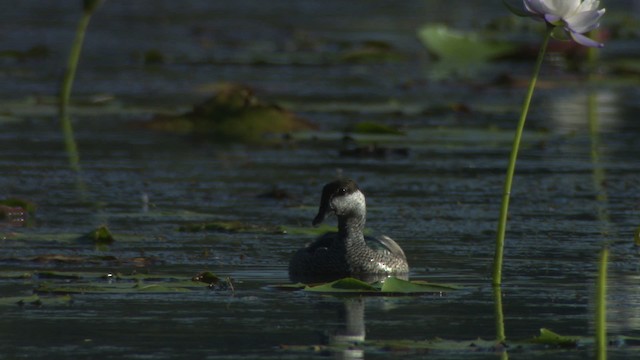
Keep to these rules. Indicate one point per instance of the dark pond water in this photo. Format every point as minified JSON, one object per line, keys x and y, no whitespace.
{"x":574,"y":192}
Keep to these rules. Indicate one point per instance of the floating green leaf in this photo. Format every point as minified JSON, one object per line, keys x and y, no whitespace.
{"x":34,"y":300}
{"x":25,"y":205}
{"x":459,"y":47}
{"x":99,"y":236}
{"x":549,"y":337}
{"x":395,"y":285}
{"x":391,"y":286}
{"x":231,"y":226}
{"x":346,"y":285}
{"x":101,"y":283}
{"x":367,"y":127}
{"x":234,"y":114}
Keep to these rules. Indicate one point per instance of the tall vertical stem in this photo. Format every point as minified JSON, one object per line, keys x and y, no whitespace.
{"x":72,"y":62}
{"x":601,"y":306}
{"x":504,"y":209}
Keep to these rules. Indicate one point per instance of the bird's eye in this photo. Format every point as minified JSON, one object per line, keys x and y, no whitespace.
{"x":342,"y":191}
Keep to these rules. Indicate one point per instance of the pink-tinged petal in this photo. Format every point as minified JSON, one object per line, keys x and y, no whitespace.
{"x":561,"y":8}
{"x":583,"y":40}
{"x":584,"y":21}
{"x":534,"y":7}
{"x":553,"y":19}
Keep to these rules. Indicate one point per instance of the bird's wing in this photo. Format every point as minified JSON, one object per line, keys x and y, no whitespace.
{"x":387,"y":243}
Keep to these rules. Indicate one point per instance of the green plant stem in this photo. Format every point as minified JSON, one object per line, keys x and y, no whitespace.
{"x":497,"y":299}
{"x":601,"y":306}
{"x":65,"y":92}
{"x":504,"y":209}
{"x":89,"y":6}
{"x":72,"y":62}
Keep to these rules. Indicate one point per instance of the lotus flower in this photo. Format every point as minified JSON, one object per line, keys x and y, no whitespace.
{"x":575,"y":16}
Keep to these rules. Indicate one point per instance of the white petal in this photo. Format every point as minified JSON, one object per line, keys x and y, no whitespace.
{"x":584,"y":21}
{"x":588,"y":5}
{"x":583,"y":40}
{"x":561,"y":8}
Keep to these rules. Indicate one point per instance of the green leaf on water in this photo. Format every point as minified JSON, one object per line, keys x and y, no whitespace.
{"x":232,"y":227}
{"x":35,"y":300}
{"x":234,"y":114}
{"x":549,"y":337}
{"x":391,"y":286}
{"x":25,"y":205}
{"x":9,"y":274}
{"x":367,"y":127}
{"x":395,"y":285}
{"x":117,"y":287}
{"x":346,"y":285}
{"x":460,"y":47}
{"x":99,"y":236}
{"x":101,"y":283}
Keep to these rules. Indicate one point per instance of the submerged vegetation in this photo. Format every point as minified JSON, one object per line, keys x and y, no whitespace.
{"x":233,"y":114}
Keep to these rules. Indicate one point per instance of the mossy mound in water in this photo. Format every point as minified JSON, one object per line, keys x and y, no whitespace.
{"x":234,"y":114}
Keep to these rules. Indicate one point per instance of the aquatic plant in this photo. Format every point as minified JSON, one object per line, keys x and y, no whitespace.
{"x":233,"y":114}
{"x":601,"y":307}
{"x":452,"y":46}
{"x":574,"y":17}
{"x":99,"y":236}
{"x":391,"y":286}
{"x":89,"y":7}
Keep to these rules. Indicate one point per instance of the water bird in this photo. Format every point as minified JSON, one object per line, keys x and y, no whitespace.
{"x":347,"y":252}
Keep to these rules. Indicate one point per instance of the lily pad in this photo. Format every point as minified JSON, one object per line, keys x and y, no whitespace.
{"x":231,"y":226}
{"x":390,"y":287}
{"x":27,"y":206}
{"x":549,"y":337}
{"x":120,"y":285}
{"x":100,"y":236}
{"x":35,"y":52}
{"x":461,"y":47}
{"x":399,"y":286}
{"x":35,"y":300}
{"x":374,"y":151}
{"x":234,"y":114}
{"x":367,"y":127}
{"x":346,"y":285}
{"x":88,"y":259}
